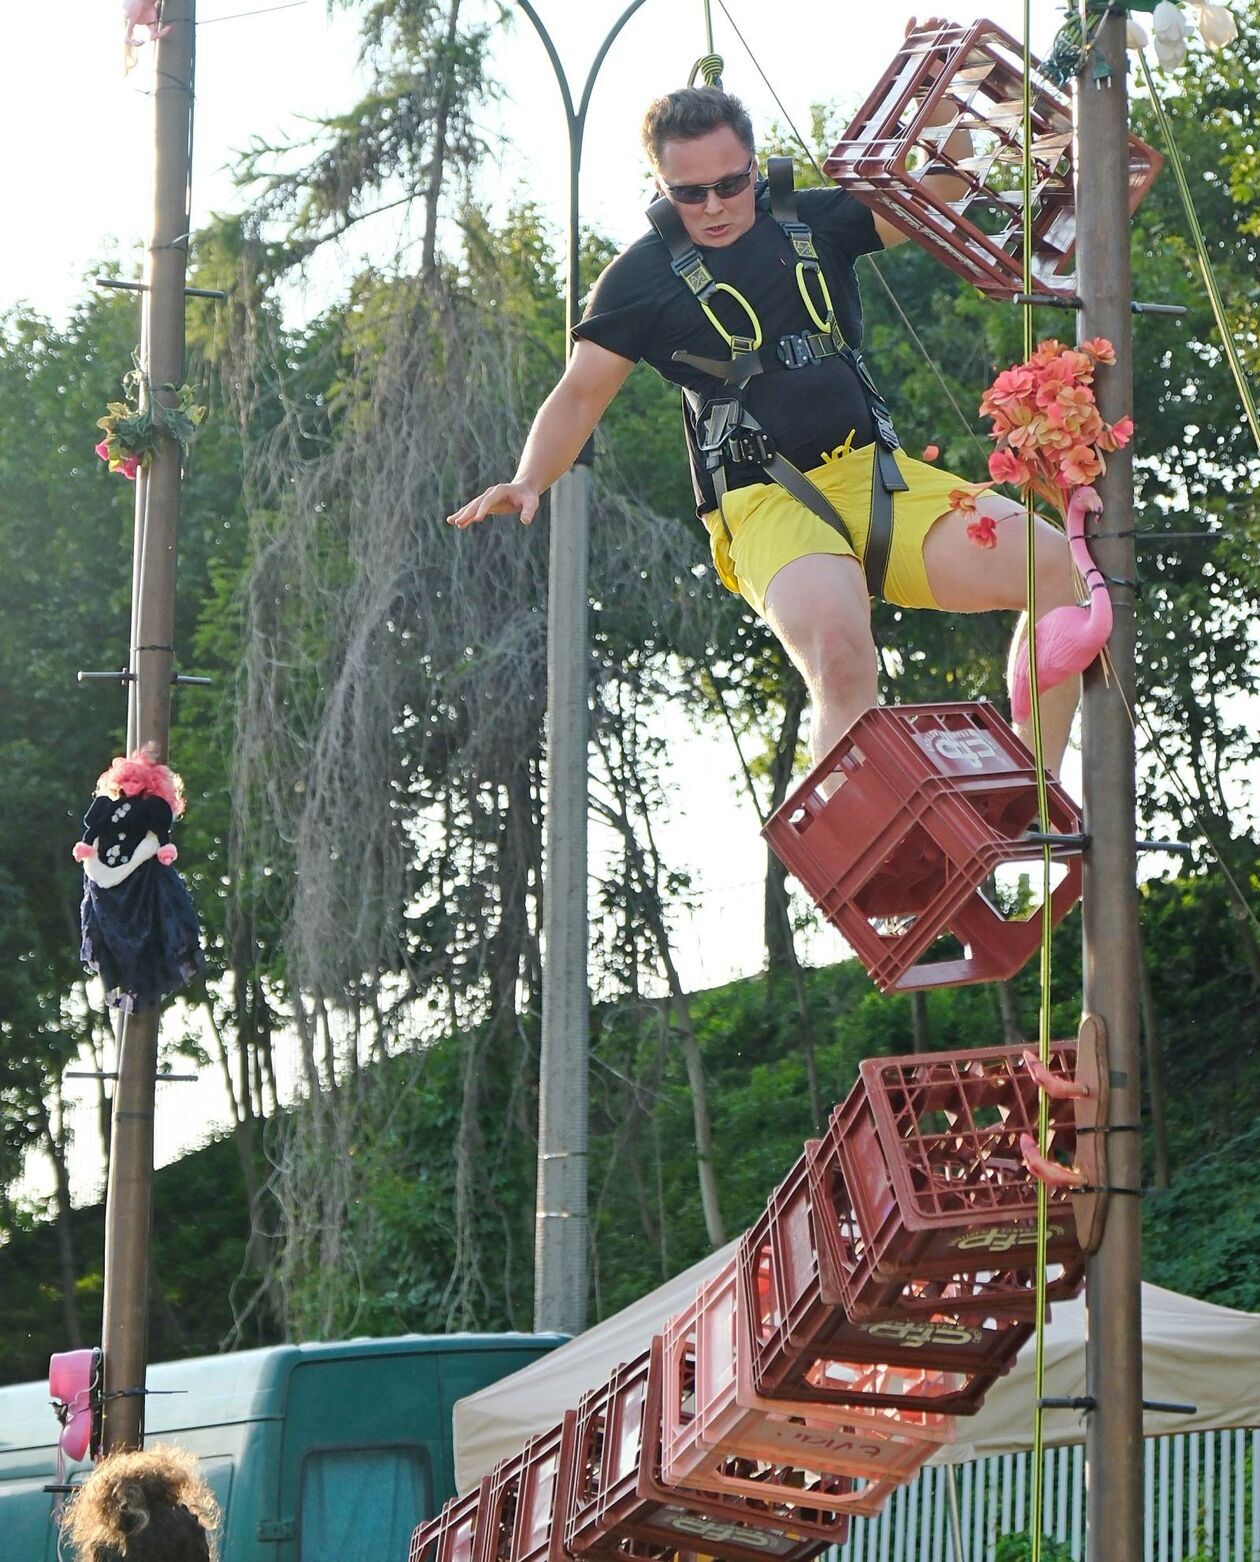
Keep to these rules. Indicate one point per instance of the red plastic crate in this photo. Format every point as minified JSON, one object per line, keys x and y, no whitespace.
{"x":930,"y":1148}
{"x":617,"y":1503}
{"x":806,"y":1344}
{"x":895,"y":1420}
{"x":712,"y":1442}
{"x":909,"y":813}
{"x":453,"y":1535}
{"x":976,"y":73}
{"x":518,"y":1508}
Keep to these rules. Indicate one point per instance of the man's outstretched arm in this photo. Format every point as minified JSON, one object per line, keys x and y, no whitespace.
{"x":561,"y":426}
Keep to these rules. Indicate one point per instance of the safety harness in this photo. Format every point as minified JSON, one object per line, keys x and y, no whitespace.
{"x":727,"y":433}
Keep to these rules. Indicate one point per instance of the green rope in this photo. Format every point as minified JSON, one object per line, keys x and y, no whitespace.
{"x":709,"y":66}
{"x":1043,"y":816}
{"x":1228,"y":342}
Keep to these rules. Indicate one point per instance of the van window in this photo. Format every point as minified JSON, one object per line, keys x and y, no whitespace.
{"x":361,"y":1504}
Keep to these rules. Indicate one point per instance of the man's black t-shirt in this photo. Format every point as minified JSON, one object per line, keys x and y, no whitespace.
{"x":640,"y":309}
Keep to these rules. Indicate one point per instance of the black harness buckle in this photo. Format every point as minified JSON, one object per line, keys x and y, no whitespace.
{"x":795,"y":351}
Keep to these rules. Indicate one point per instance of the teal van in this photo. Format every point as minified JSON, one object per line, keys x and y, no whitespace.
{"x":316,"y":1453}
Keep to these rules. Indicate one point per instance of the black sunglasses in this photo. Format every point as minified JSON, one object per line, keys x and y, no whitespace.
{"x":695,"y":194}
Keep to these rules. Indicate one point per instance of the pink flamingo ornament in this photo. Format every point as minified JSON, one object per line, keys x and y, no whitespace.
{"x":146,"y":14}
{"x":1070,"y":637}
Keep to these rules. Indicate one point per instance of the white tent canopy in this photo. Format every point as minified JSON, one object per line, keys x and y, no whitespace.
{"x":1194,"y":1353}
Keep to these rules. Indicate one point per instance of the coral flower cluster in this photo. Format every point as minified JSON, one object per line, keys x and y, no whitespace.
{"x":1050,"y":436}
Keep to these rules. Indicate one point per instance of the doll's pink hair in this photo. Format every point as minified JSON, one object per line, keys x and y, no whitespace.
{"x":139,"y":775}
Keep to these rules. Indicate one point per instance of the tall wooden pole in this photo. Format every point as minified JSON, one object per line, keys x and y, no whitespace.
{"x":1109,"y":909}
{"x":129,"y":1196}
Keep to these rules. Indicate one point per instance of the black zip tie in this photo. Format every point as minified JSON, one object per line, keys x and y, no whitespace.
{"x":1135,"y":586}
{"x":139,"y":1393}
{"x":1106,"y":1187}
{"x":169,"y":648}
{"x":1166,"y":1407}
{"x":1079,"y":1402}
{"x":1100,"y":1128}
{"x":1047,"y":838}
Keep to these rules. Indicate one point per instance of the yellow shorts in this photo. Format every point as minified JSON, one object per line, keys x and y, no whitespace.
{"x":761,"y":528}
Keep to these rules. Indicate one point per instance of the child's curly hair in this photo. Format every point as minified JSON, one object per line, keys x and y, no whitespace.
{"x":144,"y":1505}
{"x":139,"y":774}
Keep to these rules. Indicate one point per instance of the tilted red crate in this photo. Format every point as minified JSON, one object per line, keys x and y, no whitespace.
{"x":930,"y":1149}
{"x":754,"y":1299}
{"x":712,"y":1442}
{"x":806,"y":1347}
{"x":895,"y":831}
{"x":453,"y":1534}
{"x":971,"y":78}
{"x":617,"y":1502}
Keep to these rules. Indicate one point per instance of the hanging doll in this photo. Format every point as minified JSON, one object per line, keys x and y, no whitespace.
{"x":140,"y":931}
{"x":150,"y":1505}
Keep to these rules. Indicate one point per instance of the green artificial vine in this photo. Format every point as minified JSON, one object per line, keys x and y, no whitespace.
{"x":134,"y":427}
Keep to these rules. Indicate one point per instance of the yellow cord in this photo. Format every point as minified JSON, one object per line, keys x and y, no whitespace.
{"x":1036,"y":1519}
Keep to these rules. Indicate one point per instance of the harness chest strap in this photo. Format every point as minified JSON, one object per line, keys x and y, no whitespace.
{"x":726,"y":429}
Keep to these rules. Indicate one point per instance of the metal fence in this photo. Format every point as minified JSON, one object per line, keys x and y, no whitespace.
{"x":1202,"y":1504}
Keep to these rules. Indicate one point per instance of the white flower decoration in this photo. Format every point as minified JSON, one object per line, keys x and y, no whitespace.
{"x":1217,"y":24}
{"x":1169,"y":24}
{"x":1134,"y":34}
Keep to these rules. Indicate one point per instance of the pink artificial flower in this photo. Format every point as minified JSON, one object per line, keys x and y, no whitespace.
{"x":963,"y":500}
{"x":1011,"y":387}
{"x":930,"y":452}
{"x":102,"y":450}
{"x":1066,"y":406}
{"x":982,"y":533}
{"x":1005,"y":467}
{"x":167,"y":854}
{"x":1026,"y":432}
{"x":1079,"y":466}
{"x":128,"y":466}
{"x":1115,"y":436}
{"x":1099,"y":349}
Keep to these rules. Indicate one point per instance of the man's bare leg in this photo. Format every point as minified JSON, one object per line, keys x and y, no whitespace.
{"x":819,"y":608}
{"x":968,"y":579}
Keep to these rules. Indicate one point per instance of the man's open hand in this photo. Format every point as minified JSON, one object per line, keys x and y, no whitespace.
{"x":499,"y":499}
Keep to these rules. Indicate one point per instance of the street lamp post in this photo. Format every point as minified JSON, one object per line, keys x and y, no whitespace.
{"x":560,"y":1242}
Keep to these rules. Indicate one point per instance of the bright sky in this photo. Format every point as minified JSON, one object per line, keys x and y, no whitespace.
{"x":80,"y":139}
{"x":80,"y":179}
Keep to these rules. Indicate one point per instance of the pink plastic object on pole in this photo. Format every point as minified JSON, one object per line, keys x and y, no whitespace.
{"x":1070,"y":637}
{"x":73,"y":1382}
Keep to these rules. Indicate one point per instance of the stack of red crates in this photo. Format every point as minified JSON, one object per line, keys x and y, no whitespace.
{"x":890,"y":1280}
{"x":905,"y":1241}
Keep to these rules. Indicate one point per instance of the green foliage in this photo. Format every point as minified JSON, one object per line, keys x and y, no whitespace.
{"x":1017,"y":1547}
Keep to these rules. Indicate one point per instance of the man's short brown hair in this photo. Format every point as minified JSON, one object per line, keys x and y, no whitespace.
{"x":692,"y":112}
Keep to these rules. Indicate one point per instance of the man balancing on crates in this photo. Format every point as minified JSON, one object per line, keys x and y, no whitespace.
{"x":743,"y":293}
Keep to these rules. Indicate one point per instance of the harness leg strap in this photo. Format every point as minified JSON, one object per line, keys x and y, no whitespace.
{"x":886,"y":480}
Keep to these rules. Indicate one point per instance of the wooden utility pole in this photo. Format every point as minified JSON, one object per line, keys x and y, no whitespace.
{"x":129,"y":1196}
{"x":1109,"y":901}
